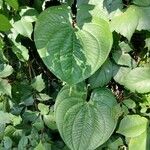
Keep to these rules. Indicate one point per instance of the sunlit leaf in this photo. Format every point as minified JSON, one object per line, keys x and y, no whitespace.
{"x":72,"y":54}
{"x":82,"y":124}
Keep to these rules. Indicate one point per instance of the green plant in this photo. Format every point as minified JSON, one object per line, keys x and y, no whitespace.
{"x":75,"y":75}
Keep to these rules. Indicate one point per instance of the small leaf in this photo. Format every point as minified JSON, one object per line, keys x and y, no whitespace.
{"x":125,"y":23}
{"x":132,"y":125}
{"x":23,"y":143}
{"x":39,"y":124}
{"x":29,"y":14}
{"x":38,"y":83}
{"x":4,"y":117}
{"x":9,"y":130}
{"x":138,"y":80}
{"x":44,"y":109}
{"x":129,"y":103}
{"x":13,"y":3}
{"x":21,"y":52}
{"x":23,"y":27}
{"x":85,"y":125}
{"x":121,"y":56}
{"x":5,"y":87}
{"x":5,"y":70}
{"x":50,"y":121}
{"x":40,"y":146}
{"x":43,"y":97}
{"x":7,"y":142}
{"x":134,"y":18}
{"x":4,"y":23}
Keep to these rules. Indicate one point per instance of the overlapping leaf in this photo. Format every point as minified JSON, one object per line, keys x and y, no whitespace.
{"x":4,"y":23}
{"x":134,"y":18}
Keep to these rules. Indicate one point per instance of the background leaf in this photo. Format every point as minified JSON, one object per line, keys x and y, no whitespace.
{"x":4,"y":23}
{"x":138,"y":80}
{"x":132,"y":125}
{"x":13,"y":3}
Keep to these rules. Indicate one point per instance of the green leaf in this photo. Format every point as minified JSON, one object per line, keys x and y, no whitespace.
{"x":141,"y":142}
{"x":4,"y":23}
{"x":129,"y":103}
{"x":121,"y":56}
{"x":138,"y":80}
{"x":143,"y":13}
{"x":134,"y":18}
{"x":82,"y":124}
{"x":44,"y":109}
{"x":29,"y":14}
{"x":2,"y":128}
{"x":113,"y":143}
{"x":132,"y":125}
{"x":38,"y":83}
{"x":120,"y":75}
{"x":1,"y":4}
{"x":13,"y":3}
{"x":5,"y":70}
{"x":102,"y":76}
{"x":7,"y":143}
{"x":147,"y":43}
{"x":5,"y":87}
{"x":9,"y":130}
{"x":23,"y":143}
{"x":1,"y":43}
{"x":2,"y":56}
{"x":50,"y":121}
{"x":126,"y":22}
{"x":112,"y":7}
{"x":21,"y":52}
{"x":39,"y":124}
{"x":70,"y":2}
{"x":72,"y":54}
{"x":40,"y":146}
{"x":141,"y":3}
{"x":108,"y":7}
{"x":23,"y":27}
{"x":4,"y":118}
{"x":43,"y":97}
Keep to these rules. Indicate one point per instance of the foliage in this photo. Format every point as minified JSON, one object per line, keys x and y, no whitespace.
{"x":74,"y":74}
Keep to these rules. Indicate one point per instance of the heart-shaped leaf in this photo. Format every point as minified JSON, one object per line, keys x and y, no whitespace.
{"x":72,"y":53}
{"x":85,"y":125}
